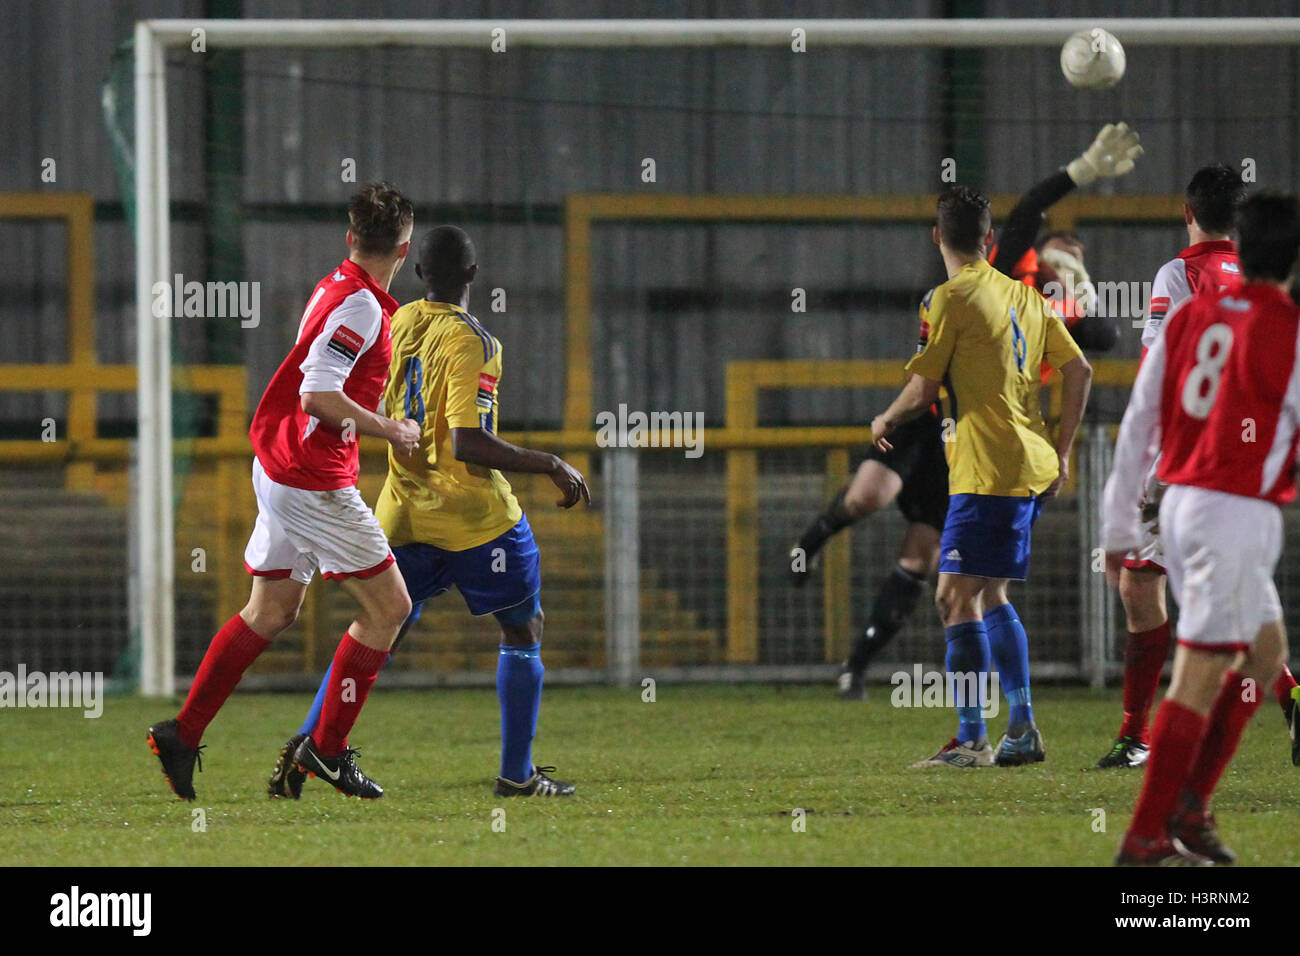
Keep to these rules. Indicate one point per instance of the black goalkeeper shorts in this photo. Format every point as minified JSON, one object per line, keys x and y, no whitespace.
{"x":918,"y":458}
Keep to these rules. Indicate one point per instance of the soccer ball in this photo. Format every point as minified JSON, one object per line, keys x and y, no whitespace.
{"x":1092,"y":59}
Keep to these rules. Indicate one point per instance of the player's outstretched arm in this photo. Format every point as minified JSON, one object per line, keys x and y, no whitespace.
{"x":1112,"y":153}
{"x":1026,"y":218}
{"x":337,"y":410}
{"x":917,"y":395}
{"x":476,"y":446}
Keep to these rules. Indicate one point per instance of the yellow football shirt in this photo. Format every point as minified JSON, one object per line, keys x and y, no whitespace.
{"x":444,"y":374}
{"x":985,"y":337}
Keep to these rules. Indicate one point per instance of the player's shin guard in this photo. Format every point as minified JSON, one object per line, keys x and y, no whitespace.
{"x":519,"y":690}
{"x":967,"y":662}
{"x":1226,"y":722}
{"x":232,"y":650}
{"x":1144,"y":658}
{"x":1009,"y":650}
{"x":352,"y":675}
{"x":1176,"y":739}
{"x":895,"y":602}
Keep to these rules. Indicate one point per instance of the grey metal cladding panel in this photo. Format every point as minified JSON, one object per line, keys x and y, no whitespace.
{"x":467,"y":124}
{"x":287,"y":260}
{"x":115,"y":292}
{"x":1147,"y":8}
{"x":52,"y":99}
{"x":1180,"y":100}
{"x":480,"y":9}
{"x":895,"y":149}
{"x":305,"y":112}
{"x":32,"y":309}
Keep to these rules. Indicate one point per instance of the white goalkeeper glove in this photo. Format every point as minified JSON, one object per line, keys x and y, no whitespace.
{"x":1111,"y":154}
{"x":1074,"y":278}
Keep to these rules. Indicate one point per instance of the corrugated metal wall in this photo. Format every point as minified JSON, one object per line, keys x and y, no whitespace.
{"x":512,"y":135}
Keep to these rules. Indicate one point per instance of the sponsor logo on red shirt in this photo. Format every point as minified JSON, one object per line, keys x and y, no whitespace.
{"x":346,"y":343}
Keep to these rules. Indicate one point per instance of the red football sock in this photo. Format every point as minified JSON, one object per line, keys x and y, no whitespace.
{"x":1285,"y":682}
{"x":360,"y":664}
{"x":1144,"y":658}
{"x":1175,"y":740}
{"x":1226,"y":722}
{"x":233,"y":648}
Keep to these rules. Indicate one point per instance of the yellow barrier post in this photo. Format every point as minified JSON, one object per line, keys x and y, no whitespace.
{"x":742,"y":521}
{"x":77,"y":210}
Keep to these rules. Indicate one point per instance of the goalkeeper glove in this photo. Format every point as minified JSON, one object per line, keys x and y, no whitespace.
{"x":1111,"y":154}
{"x":1074,"y":278}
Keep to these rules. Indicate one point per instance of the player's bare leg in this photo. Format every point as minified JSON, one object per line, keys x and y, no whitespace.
{"x":1142,"y":592}
{"x":874,"y":486}
{"x":960,"y":600}
{"x":272,"y":606}
{"x":896,"y":599}
{"x":384,"y":606}
{"x":519,"y":690}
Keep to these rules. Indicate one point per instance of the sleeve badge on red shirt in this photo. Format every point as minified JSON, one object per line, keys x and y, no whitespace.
{"x":346,"y":344}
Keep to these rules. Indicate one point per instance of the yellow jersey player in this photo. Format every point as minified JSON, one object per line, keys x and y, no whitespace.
{"x":448,"y":511}
{"x":984,"y":337}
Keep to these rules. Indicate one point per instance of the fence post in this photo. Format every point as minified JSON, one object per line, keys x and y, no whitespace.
{"x":1096,"y":601}
{"x":622,"y":565}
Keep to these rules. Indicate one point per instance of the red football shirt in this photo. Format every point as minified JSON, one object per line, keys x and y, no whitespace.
{"x":1229,"y":394}
{"x":343,"y":345}
{"x":1218,"y":398}
{"x":1204,"y":267}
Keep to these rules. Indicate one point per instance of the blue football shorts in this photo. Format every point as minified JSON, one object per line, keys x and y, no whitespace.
{"x":502,"y":577}
{"x":988,"y":535}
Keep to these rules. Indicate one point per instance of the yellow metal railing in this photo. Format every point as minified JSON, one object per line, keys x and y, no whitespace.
{"x":91,"y":461}
{"x":77,"y":211}
{"x":583,"y":211}
{"x":741,"y":440}
{"x":744,"y":380}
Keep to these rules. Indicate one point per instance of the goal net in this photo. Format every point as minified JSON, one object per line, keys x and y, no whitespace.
{"x":725,"y":223}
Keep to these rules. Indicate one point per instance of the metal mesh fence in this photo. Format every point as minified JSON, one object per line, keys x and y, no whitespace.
{"x":259,"y":142}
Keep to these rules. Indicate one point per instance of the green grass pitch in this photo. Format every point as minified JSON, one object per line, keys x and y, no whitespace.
{"x":704,"y":775}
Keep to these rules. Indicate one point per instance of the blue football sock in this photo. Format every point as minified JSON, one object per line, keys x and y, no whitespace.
{"x":967,"y":662}
{"x":1009,"y":648}
{"x":519,"y":689}
{"x":313,"y":715}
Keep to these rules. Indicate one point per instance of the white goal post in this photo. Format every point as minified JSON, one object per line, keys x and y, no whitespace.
{"x":152,"y":490}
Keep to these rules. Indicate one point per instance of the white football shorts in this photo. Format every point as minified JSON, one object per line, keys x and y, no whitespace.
{"x":298,"y":531}
{"x":1221,"y":551}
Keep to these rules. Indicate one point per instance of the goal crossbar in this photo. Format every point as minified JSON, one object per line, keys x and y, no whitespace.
{"x":153,"y":519}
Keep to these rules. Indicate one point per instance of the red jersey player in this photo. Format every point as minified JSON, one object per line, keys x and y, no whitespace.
{"x":309,"y":512}
{"x":1208,"y":264}
{"x":1218,"y":400}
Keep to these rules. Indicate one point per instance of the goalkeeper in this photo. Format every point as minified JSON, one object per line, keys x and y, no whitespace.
{"x":915,"y":472}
